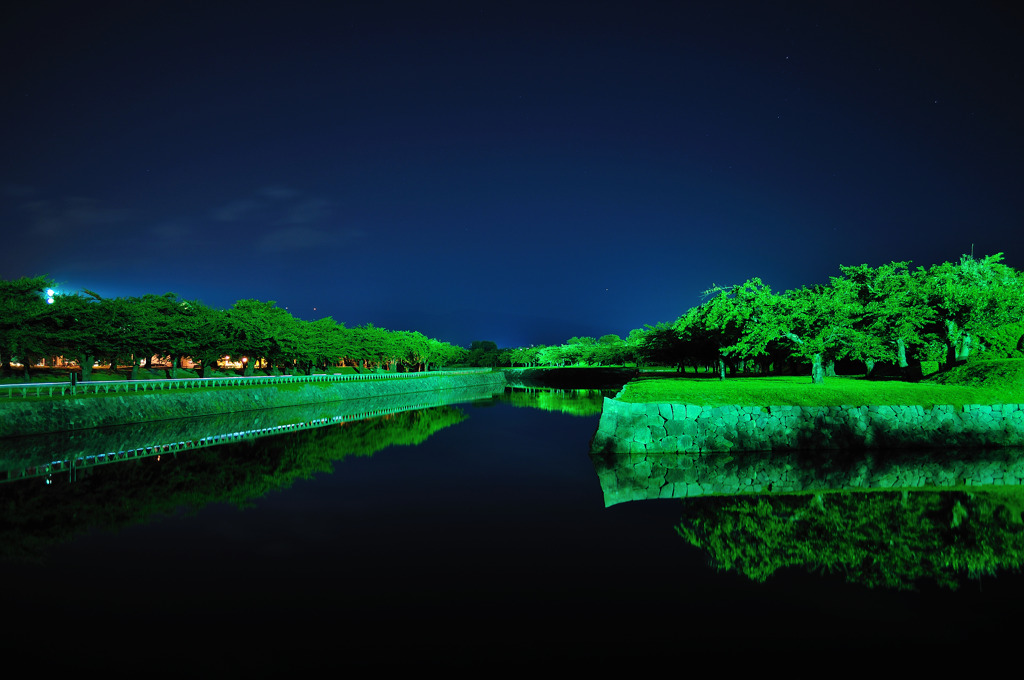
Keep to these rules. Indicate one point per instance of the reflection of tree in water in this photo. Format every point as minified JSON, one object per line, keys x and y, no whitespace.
{"x":581,"y":402}
{"x":890,"y":539}
{"x":34,"y":515}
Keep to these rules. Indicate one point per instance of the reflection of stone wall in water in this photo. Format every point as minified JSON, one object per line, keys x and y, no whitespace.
{"x":686,"y":428}
{"x":629,"y":477}
{"x":889,"y":539}
{"x":110,"y":496}
{"x":136,"y":439}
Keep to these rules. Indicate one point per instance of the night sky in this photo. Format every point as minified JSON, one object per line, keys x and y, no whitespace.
{"x":515,"y":172}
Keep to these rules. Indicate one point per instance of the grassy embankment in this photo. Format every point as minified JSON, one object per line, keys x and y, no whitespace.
{"x":977,"y":382}
{"x":44,"y":375}
{"x":48,"y":375}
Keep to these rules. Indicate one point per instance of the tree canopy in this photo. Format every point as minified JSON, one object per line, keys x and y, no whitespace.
{"x":88,"y":328}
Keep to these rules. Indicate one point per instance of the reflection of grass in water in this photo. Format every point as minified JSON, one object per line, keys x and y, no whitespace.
{"x":890,"y":539}
{"x":581,"y":402}
{"x":34,"y":515}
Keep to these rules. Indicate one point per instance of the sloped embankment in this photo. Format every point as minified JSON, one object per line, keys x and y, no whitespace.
{"x":36,"y":416}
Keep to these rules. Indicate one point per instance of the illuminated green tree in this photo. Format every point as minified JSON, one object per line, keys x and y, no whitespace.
{"x":892,"y":313}
{"x":635,"y":341}
{"x":150,"y":327}
{"x":204,"y":334}
{"x":972,"y":297}
{"x":444,"y":354}
{"x":261,"y":331}
{"x":739,"y":321}
{"x":818,"y":321}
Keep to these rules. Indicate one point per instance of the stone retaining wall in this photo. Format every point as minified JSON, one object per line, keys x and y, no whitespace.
{"x":59,"y":414}
{"x":686,"y":428}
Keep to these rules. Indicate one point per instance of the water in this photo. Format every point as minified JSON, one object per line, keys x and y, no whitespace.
{"x":488,"y":544}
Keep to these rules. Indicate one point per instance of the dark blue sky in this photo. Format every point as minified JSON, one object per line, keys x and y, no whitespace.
{"x":519,"y":172}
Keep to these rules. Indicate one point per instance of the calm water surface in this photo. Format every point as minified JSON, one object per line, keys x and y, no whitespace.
{"x":488,"y":543}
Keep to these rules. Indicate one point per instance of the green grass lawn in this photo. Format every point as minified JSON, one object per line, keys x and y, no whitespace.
{"x":1005,"y":384}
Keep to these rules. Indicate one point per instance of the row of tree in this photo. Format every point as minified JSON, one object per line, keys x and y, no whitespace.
{"x":894,"y":313}
{"x":131,"y":331}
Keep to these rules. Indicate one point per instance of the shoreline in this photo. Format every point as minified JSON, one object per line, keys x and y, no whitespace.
{"x":69,"y":414}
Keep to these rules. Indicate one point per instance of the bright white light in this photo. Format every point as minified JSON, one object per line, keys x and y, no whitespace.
{"x":49,"y":300}
{"x":49,"y":292}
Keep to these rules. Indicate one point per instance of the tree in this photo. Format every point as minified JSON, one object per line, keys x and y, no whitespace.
{"x":205,"y":335}
{"x":21,"y":306}
{"x":153,"y":327}
{"x":970,"y":298}
{"x":634,"y":345}
{"x":483,"y":353}
{"x":892,"y":311}
{"x":738,"y":321}
{"x":664,"y":345}
{"x":817,"y":320}
{"x":79,"y":326}
{"x":261,"y":331}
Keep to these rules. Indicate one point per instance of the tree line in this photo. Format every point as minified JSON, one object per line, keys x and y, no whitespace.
{"x":894,"y":314}
{"x":88,"y":328}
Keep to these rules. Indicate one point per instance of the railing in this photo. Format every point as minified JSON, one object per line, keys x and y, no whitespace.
{"x":108,"y":386}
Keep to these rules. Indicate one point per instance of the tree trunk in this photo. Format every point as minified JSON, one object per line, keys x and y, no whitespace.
{"x":901,"y":354}
{"x":721,"y":368}
{"x":958,"y":343}
{"x":830,"y":368}
{"x":963,"y":350}
{"x":870,"y":366}
{"x":85,"y":363}
{"x":817,"y":370}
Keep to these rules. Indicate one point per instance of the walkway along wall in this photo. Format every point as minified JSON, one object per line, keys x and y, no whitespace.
{"x":686,"y":428}
{"x":22,"y":417}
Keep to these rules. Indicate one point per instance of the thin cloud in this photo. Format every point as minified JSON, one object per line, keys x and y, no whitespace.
{"x":278,"y":192}
{"x":308,"y":212}
{"x":300,"y":238}
{"x":235,"y":210}
{"x":69,"y":216}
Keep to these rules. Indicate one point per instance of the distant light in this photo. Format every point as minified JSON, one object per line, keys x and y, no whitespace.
{"x":49,"y":300}
{"x":49,"y":292}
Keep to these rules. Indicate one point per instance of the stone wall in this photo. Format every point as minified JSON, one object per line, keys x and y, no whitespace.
{"x":686,"y":428}
{"x":59,"y":414}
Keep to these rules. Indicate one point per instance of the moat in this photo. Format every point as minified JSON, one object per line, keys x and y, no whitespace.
{"x":477,"y":533}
